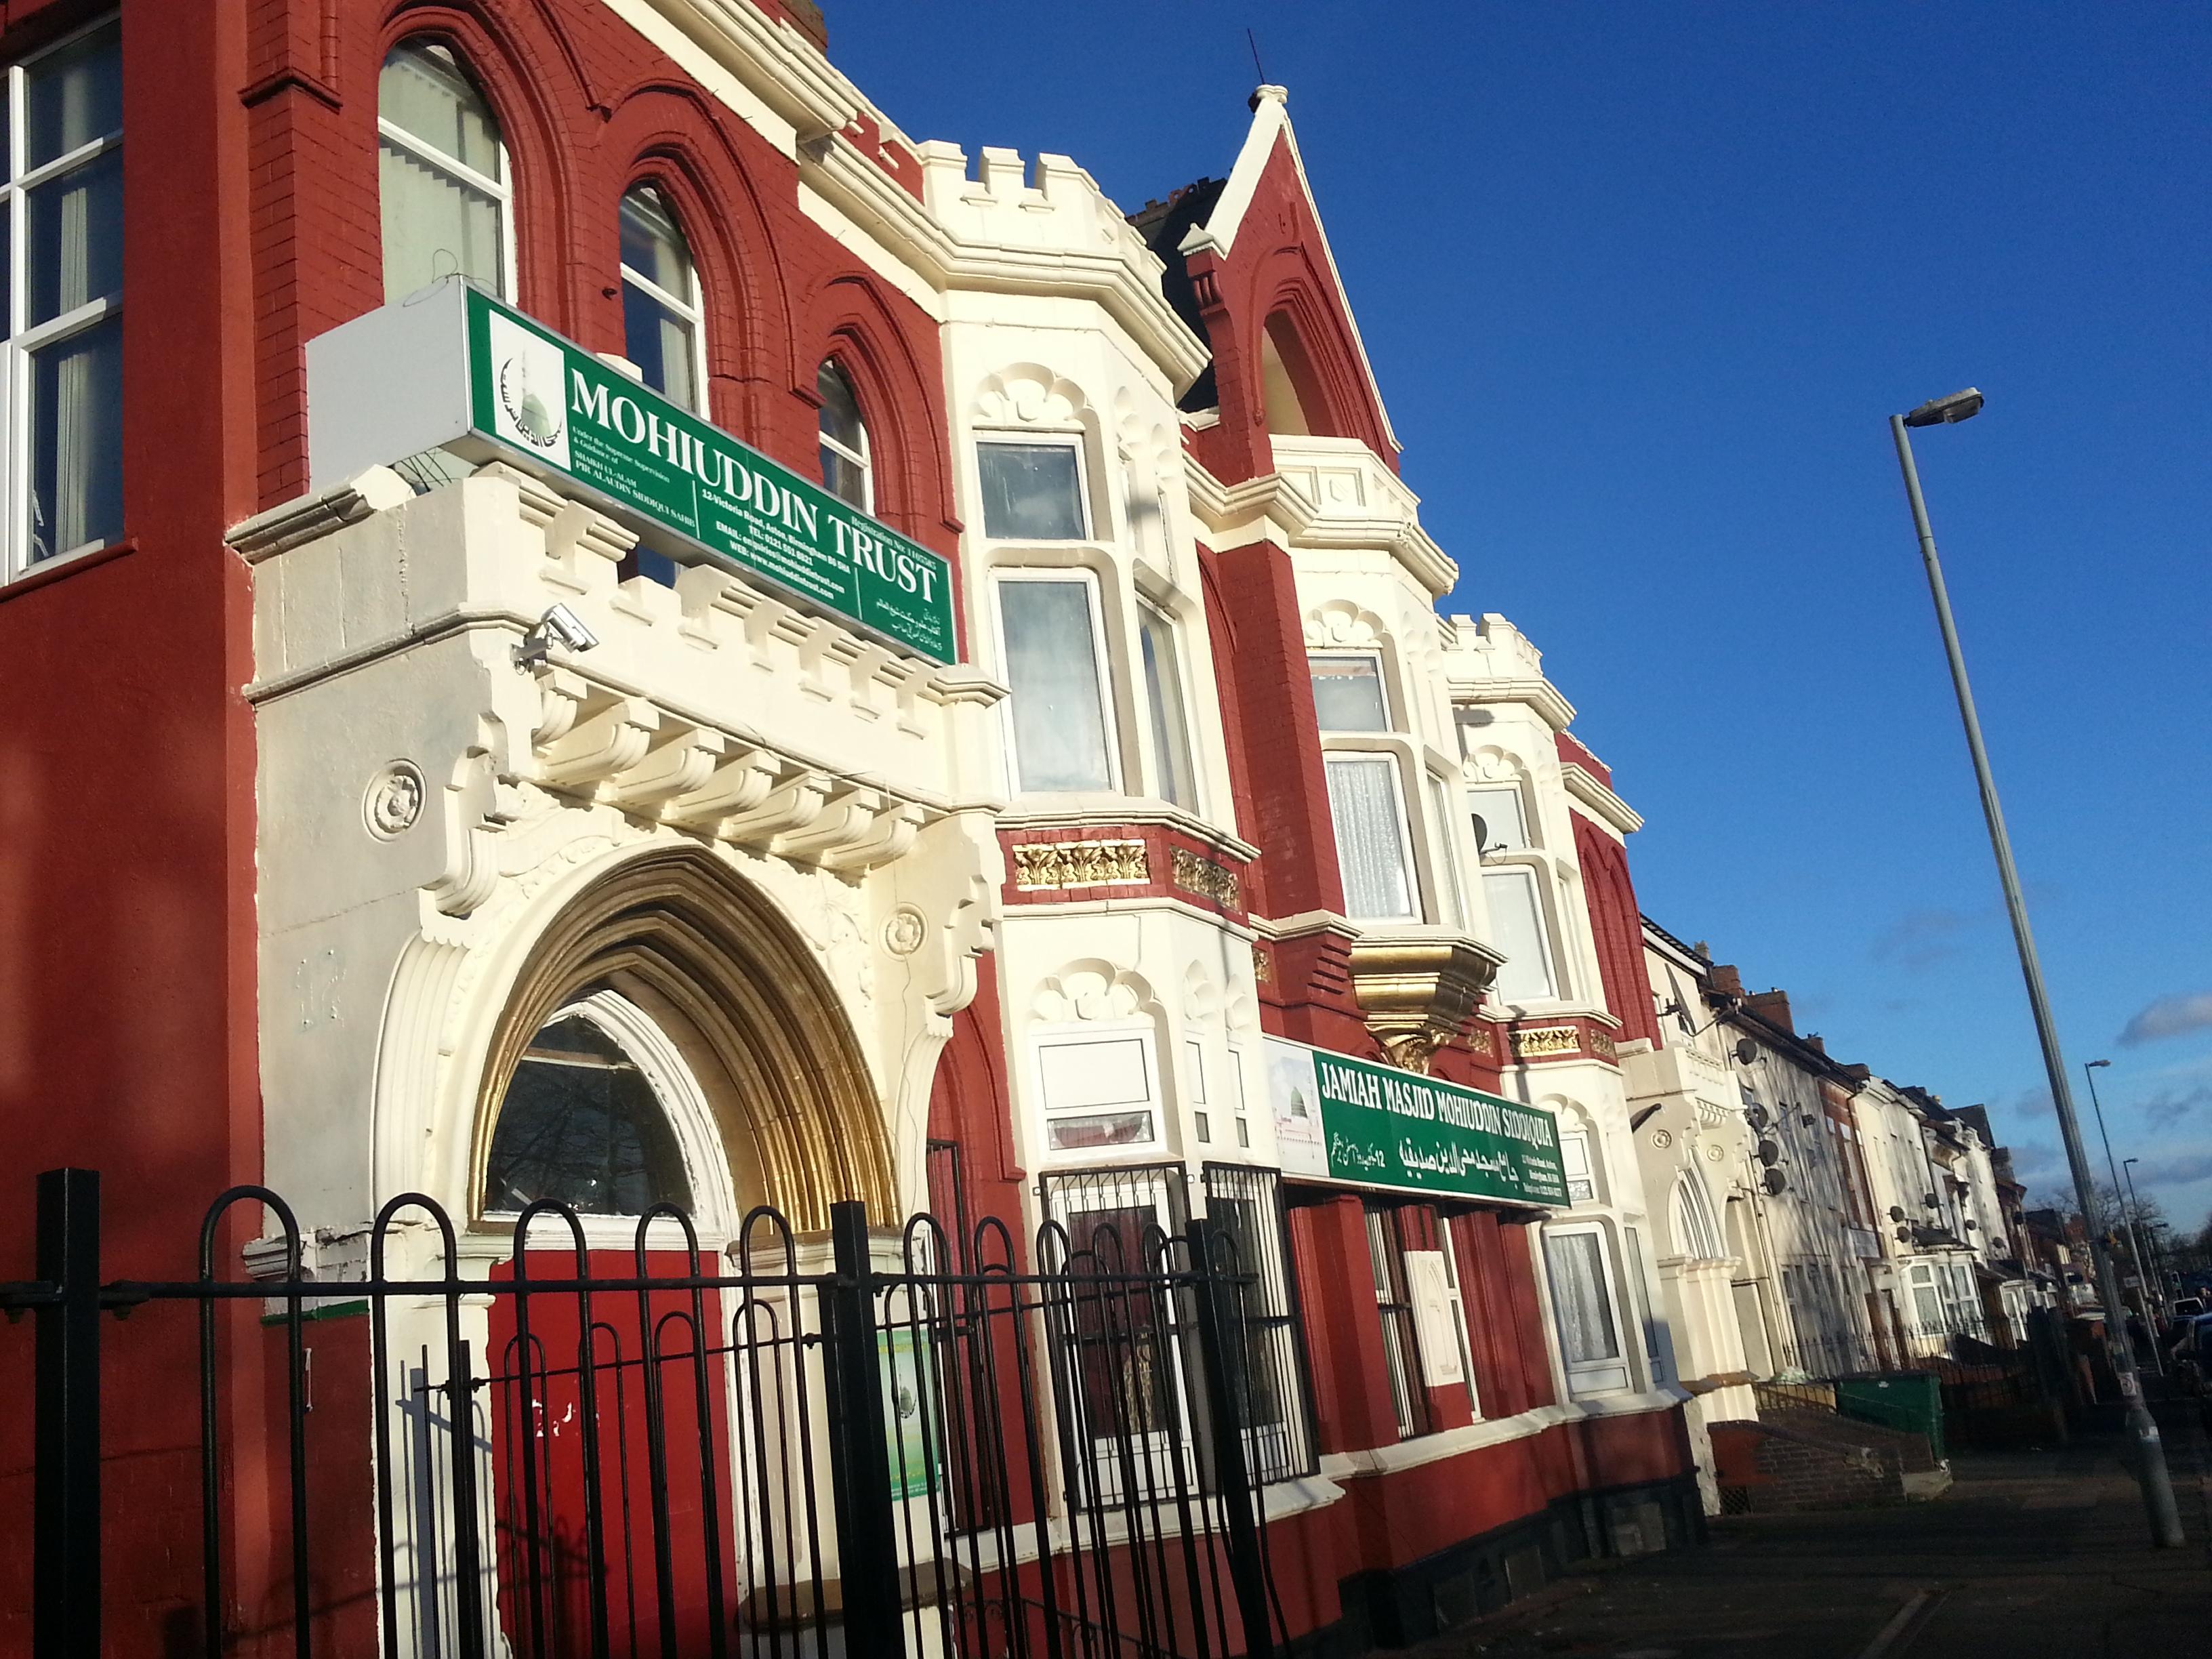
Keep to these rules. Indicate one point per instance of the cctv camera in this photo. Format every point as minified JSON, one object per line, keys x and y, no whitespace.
{"x":568,"y":628}
{"x":559,"y":623}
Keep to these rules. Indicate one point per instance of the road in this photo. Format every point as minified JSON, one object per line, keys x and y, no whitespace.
{"x":2030,"y":1554}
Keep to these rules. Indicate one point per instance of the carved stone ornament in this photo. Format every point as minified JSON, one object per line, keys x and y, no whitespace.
{"x":1662,"y":1139}
{"x":1416,"y":994}
{"x":905,"y":931}
{"x":1048,"y":866}
{"x":1531,"y":1041}
{"x":393,"y":801}
{"x":1208,"y":879}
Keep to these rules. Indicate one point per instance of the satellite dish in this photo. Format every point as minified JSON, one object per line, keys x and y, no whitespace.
{"x":1756,"y":1115}
{"x":1896,"y":1212}
{"x":1745,"y":1051}
{"x":1904,"y":1235}
{"x":1777,"y":1182}
{"x":1769,"y":1152}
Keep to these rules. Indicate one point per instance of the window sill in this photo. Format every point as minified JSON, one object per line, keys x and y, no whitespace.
{"x":69,"y":564}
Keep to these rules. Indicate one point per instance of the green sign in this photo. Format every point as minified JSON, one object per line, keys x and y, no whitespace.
{"x":1347,"y":1120}
{"x":560,"y":409}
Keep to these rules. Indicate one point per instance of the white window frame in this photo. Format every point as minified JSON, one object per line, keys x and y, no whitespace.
{"x":1469,"y":791}
{"x":1593,"y":1376}
{"x":1389,"y":755}
{"x":1037,"y":439}
{"x":1539,"y":881}
{"x":1103,"y":662}
{"x":22,"y":345}
{"x":693,"y":310}
{"x":862,"y":457}
{"x":1448,"y":1228}
{"x":1149,"y":611}
{"x":501,"y":190}
{"x":1580,"y":1139}
{"x":683,"y":1105}
{"x":1371,"y":653}
{"x":1085,"y":1035}
{"x":1195,"y":1089}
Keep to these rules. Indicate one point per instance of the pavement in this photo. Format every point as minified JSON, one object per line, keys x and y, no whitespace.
{"x":2030,"y":1554}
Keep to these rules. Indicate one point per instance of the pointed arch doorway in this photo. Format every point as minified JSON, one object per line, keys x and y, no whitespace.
{"x":670,"y":1045}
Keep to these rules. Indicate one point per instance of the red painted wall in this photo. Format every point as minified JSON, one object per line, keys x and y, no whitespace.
{"x":1618,"y":927}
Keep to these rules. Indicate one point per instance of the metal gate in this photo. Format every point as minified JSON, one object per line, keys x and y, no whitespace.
{"x":895,"y":1443}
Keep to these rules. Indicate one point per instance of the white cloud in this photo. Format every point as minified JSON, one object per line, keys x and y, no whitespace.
{"x":2168,"y":1016}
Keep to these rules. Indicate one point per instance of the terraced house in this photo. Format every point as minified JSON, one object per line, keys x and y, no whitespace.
{"x":700,"y":677}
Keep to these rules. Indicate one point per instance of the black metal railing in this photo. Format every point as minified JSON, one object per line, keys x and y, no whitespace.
{"x":555,"y":1444}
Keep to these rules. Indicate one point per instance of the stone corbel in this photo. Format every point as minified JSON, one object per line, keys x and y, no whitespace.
{"x":737,"y":787}
{"x":610,"y":742}
{"x":563,"y":693}
{"x":471,"y":805}
{"x":845,"y":818}
{"x":888,"y":838}
{"x":791,"y":806}
{"x":678,"y":768}
{"x":579,"y":535}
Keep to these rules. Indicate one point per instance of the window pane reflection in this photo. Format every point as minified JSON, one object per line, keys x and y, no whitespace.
{"x":581,"y":1123}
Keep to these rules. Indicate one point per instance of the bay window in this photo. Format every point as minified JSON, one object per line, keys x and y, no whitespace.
{"x":1032,"y":490}
{"x":1517,"y":925}
{"x":663,"y":331}
{"x":1053,"y":650}
{"x":1164,"y":697}
{"x":1369,"y":814}
{"x":1578,"y":1266}
{"x":446,"y":200}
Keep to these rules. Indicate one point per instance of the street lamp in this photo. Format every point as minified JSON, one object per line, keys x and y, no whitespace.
{"x":2089,"y":1070}
{"x":2150,"y":1461}
{"x":2142,"y":1262}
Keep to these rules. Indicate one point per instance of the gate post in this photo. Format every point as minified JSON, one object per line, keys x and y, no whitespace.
{"x":1222,"y":1357}
{"x":65,"y":1484}
{"x":860,"y":1444}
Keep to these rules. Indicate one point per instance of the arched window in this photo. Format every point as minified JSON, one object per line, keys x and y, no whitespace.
{"x":448,"y":204}
{"x":583,"y":1120}
{"x":844,"y":440}
{"x":1697,"y":1233}
{"x":663,"y":331}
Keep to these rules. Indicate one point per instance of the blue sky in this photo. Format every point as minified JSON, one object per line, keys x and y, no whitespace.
{"x":1641,"y":283}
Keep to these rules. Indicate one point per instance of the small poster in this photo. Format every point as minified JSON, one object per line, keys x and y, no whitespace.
{"x":913,"y":1434}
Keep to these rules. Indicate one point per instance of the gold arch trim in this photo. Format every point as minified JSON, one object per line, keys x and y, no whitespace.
{"x":707,"y":956}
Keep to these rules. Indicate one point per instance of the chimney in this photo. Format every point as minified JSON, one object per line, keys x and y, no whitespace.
{"x":1773,"y":1007}
{"x":1726,"y":981}
{"x":1817,"y":1041}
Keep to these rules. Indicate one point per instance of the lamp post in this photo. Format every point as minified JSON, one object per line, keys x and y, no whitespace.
{"x":2150,"y":1451}
{"x":2089,"y":1070}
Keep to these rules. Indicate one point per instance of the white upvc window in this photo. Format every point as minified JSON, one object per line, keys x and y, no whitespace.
{"x":847,"y":471}
{"x":1201,"y":1103}
{"x":1516,"y":925}
{"x":61,"y":473}
{"x":1575,"y":1162}
{"x":1099,"y":1089}
{"x":1164,"y":697}
{"x":1578,"y":1266}
{"x":1059,"y":725}
{"x":1347,"y":691}
{"x":1032,"y":488}
{"x":1374,"y":854}
{"x":1500,"y":817}
{"x":448,"y":205}
{"x":664,"y":328}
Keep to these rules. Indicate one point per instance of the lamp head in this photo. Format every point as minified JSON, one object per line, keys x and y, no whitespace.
{"x":2094,"y":1064}
{"x":1946,"y":412}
